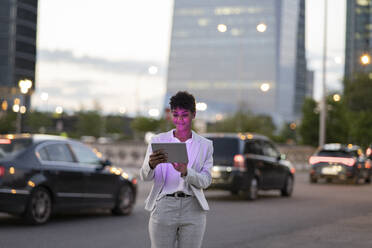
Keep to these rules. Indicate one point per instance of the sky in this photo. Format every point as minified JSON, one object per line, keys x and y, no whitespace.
{"x":98,"y":56}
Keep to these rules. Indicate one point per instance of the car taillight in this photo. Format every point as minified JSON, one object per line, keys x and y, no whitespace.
{"x":239,"y":161}
{"x":369,"y":151}
{"x":345,"y":161}
{"x":2,"y":171}
{"x":293,"y":170}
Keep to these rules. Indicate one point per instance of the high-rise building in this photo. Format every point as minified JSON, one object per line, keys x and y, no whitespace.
{"x":18,"y":19}
{"x":358,"y":37}
{"x":240,"y":54}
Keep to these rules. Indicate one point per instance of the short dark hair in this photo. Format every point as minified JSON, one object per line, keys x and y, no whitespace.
{"x":184,"y":100}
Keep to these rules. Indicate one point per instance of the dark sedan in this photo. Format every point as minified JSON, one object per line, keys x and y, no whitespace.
{"x":42,"y":174}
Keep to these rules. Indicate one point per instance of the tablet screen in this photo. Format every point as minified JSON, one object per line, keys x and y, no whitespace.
{"x":177,"y":152}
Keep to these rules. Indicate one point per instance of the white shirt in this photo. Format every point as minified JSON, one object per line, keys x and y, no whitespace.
{"x":173,"y":180}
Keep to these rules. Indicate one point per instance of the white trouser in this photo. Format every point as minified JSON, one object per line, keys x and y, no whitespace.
{"x":177,"y":222}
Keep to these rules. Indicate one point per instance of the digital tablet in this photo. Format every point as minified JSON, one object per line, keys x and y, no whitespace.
{"x":177,"y":152}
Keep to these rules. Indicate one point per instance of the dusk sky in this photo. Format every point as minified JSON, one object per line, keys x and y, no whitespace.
{"x":102,"y":53}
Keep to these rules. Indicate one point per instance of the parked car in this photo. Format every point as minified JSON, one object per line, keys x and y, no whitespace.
{"x":338,"y":161}
{"x":42,"y":174}
{"x":248,"y":163}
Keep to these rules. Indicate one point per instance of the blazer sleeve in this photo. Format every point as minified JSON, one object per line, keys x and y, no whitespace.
{"x":203,"y":178}
{"x":146,"y":173}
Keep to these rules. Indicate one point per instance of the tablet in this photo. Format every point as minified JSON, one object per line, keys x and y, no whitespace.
{"x":177,"y":152}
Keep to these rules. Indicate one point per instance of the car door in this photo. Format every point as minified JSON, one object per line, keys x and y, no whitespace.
{"x":66,"y":180}
{"x":256,"y":161}
{"x":100,"y":183}
{"x":280,"y":171}
{"x":271,"y":164}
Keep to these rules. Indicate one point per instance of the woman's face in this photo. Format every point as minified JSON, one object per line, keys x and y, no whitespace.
{"x":182,"y":119}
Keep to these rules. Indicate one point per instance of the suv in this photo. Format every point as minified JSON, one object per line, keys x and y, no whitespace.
{"x":248,"y":163}
{"x":337,"y":161}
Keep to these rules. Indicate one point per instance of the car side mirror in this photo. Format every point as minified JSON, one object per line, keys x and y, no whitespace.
{"x":106,"y":163}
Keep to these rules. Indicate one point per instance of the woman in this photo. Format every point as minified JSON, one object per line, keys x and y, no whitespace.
{"x":177,"y":204}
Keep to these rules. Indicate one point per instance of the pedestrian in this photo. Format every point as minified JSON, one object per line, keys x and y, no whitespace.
{"x":177,"y":203}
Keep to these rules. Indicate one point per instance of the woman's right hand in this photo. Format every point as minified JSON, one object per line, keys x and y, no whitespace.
{"x":157,"y":157}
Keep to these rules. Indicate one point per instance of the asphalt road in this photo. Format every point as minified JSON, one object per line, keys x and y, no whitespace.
{"x":321,"y":215}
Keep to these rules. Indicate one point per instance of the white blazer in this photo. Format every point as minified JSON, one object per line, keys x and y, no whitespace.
{"x":198,"y":174}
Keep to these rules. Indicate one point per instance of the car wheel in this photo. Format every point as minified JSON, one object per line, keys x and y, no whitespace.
{"x":288,"y":187}
{"x":368,"y":179}
{"x":313,"y":180}
{"x":39,"y":207}
{"x":252,"y":192}
{"x":124,"y":201}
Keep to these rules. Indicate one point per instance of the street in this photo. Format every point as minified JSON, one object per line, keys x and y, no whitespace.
{"x":320,"y":215}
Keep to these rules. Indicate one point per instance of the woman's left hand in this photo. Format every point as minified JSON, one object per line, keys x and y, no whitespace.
{"x":180,"y":168}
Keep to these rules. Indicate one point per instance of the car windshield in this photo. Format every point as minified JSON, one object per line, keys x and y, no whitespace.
{"x":11,"y":147}
{"x":338,"y":153}
{"x":224,"y":150}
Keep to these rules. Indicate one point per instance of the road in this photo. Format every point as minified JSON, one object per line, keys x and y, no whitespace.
{"x":321,"y":215}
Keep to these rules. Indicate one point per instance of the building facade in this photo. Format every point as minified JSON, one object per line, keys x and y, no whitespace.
{"x":358,"y":36}
{"x":235,"y":54}
{"x":18,"y":21}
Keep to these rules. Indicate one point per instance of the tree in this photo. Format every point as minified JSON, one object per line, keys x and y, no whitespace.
{"x":7,"y":122}
{"x":309,"y":127}
{"x":244,"y":121}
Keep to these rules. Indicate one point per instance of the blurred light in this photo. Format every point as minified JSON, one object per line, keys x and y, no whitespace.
{"x":13,"y":191}
{"x":292,"y":126}
{"x":31,"y":183}
{"x":222,"y":28}
{"x":122,"y":110}
{"x":203,"y":22}
{"x":153,"y":70}
{"x":336,"y":97}
{"x":134,"y":181}
{"x":235,"y":32}
{"x":4,"y":105}
{"x":363,"y":2}
{"x":338,"y":60}
{"x":350,"y":146}
{"x":25,"y":85}
{"x":17,"y":101}
{"x":365,"y":59}
{"x":22,"y":109}
{"x":11,"y":170}
{"x":219,"y":117}
{"x":265,"y":87}
{"x":125,"y":175}
{"x":16,"y":108}
{"x":10,"y":136}
{"x":59,"y":110}
{"x":249,"y":136}
{"x":201,"y":106}
{"x":154,"y":112}
{"x":44,"y":96}
{"x":261,"y":27}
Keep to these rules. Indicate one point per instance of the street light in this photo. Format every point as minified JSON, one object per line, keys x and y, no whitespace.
{"x":24,"y":85}
{"x":265,"y":87}
{"x":222,"y":28}
{"x":261,"y":27}
{"x":59,"y":110}
{"x":201,"y":106}
{"x":336,"y":97}
{"x":365,"y":59}
{"x":151,"y":70}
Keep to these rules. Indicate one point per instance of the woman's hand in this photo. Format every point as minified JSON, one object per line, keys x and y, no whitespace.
{"x":157,"y":157}
{"x":180,"y":168}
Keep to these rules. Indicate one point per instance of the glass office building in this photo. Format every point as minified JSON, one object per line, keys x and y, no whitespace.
{"x":358,"y":36}
{"x":240,"y":54}
{"x":18,"y":19}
